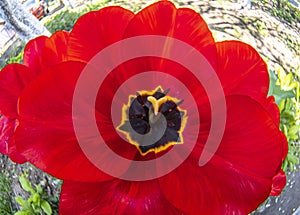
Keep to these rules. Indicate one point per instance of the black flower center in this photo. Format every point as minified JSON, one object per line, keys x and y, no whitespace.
{"x":153,"y":121}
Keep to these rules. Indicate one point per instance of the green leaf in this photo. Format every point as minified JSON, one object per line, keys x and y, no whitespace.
{"x":26,"y":206}
{"x":293,"y":159}
{"x":287,"y":79}
{"x":280,"y":94}
{"x":39,"y":189}
{"x":36,"y":198}
{"x":46,"y":207}
{"x":294,"y":130}
{"x":22,"y":213}
{"x":289,"y":104}
{"x":30,"y":199}
{"x":36,"y":209}
{"x":281,"y":105}
{"x":272,"y":84}
{"x":26,"y":185}
{"x":281,"y":74}
{"x":285,"y":164}
{"x":22,"y":202}
{"x":292,"y":86}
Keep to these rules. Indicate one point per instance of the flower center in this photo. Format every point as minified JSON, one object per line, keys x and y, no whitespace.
{"x":153,"y":121}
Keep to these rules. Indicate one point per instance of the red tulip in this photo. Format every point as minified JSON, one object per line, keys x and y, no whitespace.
{"x":241,"y":174}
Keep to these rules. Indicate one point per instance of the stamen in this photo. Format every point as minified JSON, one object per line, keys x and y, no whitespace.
{"x":180,"y":102}
{"x":156,"y":103}
{"x":159,"y":90}
{"x":166,"y":91}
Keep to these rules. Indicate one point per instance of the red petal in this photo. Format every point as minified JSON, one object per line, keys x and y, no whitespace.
{"x":33,"y":53}
{"x":43,"y":52}
{"x":96,"y":30}
{"x":55,"y":49}
{"x":45,"y":134}
{"x":239,"y":177}
{"x":6,"y":131}
{"x":285,"y":146}
{"x":114,"y":197}
{"x":241,"y":70}
{"x":273,"y":109}
{"x":215,"y":188}
{"x":162,"y":18}
{"x":39,"y":54}
{"x":7,"y":142}
{"x":13,"y":78}
{"x":279,"y":182}
{"x":252,"y":140}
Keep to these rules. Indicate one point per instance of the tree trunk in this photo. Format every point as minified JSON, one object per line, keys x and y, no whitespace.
{"x":20,"y":20}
